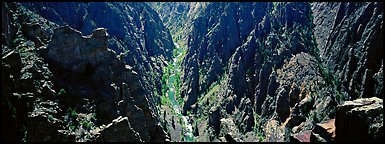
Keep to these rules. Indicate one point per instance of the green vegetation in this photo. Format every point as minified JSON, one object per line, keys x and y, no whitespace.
{"x":87,"y":122}
{"x":209,"y":96}
{"x":316,"y":117}
{"x":171,"y":78}
{"x":170,"y":96}
{"x":17,"y":41}
{"x":72,"y":113}
{"x":50,"y":118}
{"x":81,"y":124}
{"x":70,"y":118}
{"x":329,"y":77}
{"x":332,"y":81}
{"x":326,"y":72}
{"x":61,"y":92}
{"x":165,"y":100}
{"x":213,"y":89}
{"x":256,"y":128}
{"x":165,"y":85}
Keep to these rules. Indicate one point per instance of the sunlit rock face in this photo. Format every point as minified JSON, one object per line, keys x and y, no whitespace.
{"x":269,"y":65}
{"x":200,"y":71}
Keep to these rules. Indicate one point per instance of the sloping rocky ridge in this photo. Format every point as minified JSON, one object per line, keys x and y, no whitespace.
{"x":277,"y":69}
{"x":177,"y":17}
{"x":137,"y":34}
{"x":62,"y":86}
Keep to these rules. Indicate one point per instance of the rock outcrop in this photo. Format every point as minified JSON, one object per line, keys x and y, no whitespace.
{"x":136,"y":32}
{"x":71,"y":51}
{"x":324,"y":132}
{"x":118,"y":131}
{"x":360,"y":120}
{"x":214,"y":120}
{"x":349,"y":41}
{"x":90,"y":58}
{"x":87,"y":83}
{"x":303,"y":136}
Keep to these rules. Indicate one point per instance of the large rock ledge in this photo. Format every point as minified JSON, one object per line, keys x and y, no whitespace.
{"x":75,"y":52}
{"x":120,"y":130}
{"x":360,"y":120}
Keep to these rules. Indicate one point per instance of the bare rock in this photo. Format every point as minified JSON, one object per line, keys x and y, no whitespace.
{"x":214,"y":120}
{"x":303,"y":136}
{"x":34,"y":32}
{"x":120,"y":130}
{"x":75,"y":52}
{"x":324,"y":132}
{"x":360,"y":120}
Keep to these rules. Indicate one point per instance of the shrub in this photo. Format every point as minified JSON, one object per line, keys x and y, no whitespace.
{"x":61,"y":92}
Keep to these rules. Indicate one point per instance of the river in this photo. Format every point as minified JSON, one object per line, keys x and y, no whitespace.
{"x":187,"y":129}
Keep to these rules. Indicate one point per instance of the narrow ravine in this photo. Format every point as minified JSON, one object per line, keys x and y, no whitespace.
{"x":172,"y":95}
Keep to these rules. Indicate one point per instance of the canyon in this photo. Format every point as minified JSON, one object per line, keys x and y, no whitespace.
{"x":192,"y":71}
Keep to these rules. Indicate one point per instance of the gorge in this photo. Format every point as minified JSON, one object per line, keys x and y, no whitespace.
{"x":192,"y":71}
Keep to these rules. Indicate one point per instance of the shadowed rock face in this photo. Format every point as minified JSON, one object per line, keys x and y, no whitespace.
{"x":89,"y":56}
{"x":242,"y":45}
{"x":136,"y":34}
{"x":88,"y":84}
{"x":73,"y":52}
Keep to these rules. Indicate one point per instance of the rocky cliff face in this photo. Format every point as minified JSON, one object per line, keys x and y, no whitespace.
{"x":266,"y":71}
{"x":277,"y":69}
{"x":177,"y":17}
{"x":136,"y":33}
{"x":63,"y":86}
{"x":241,"y":48}
{"x":351,"y":47}
{"x":367,"y":113}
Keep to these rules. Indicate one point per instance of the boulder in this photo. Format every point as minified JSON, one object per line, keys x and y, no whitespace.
{"x":360,"y":120}
{"x":303,"y":136}
{"x":324,"y":132}
{"x":120,"y":130}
